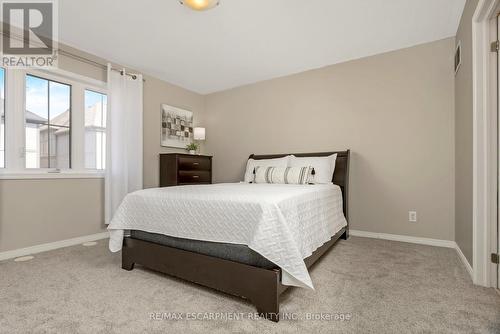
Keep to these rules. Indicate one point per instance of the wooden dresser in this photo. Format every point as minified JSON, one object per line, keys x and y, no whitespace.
{"x":178,"y":169}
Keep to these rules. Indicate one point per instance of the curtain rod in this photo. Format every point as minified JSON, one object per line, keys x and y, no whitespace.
{"x":95,"y":63}
{"x":77,"y":57}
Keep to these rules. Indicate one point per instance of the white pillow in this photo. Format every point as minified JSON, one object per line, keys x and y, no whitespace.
{"x":323,"y":166}
{"x":252,"y":163}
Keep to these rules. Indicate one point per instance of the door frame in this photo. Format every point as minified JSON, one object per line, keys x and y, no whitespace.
{"x":485,"y":171}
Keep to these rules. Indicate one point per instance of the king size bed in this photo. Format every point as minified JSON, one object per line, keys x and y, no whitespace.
{"x":246,"y":239}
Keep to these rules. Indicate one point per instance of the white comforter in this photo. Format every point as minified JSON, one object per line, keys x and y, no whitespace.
{"x":284,"y":223}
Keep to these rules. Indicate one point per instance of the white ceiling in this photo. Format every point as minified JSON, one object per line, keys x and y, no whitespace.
{"x":245,"y":41}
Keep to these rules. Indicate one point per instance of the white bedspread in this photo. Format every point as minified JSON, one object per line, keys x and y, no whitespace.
{"x":284,"y":223}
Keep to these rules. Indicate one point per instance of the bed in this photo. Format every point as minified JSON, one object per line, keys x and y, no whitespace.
{"x":248,"y":240}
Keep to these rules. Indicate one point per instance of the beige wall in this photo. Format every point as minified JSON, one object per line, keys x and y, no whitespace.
{"x":77,"y":66}
{"x":463,"y":135}
{"x":33,"y":212}
{"x":395,"y":111}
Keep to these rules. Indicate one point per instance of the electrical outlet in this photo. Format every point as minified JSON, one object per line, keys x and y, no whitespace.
{"x":412,"y":216}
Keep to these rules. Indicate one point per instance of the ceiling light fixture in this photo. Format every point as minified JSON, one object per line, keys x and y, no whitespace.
{"x":200,"y":5}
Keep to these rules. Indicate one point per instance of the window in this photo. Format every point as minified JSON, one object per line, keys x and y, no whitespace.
{"x":95,"y":129}
{"x":2,"y":118}
{"x":47,"y":124}
{"x":55,"y":122}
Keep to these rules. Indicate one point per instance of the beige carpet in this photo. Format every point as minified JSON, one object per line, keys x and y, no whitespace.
{"x":385,"y":286}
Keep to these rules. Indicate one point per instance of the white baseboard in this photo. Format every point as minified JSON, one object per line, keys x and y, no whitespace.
{"x":404,"y":238}
{"x":417,"y":240}
{"x":464,"y":261}
{"x":52,"y":245}
{"x":104,"y":235}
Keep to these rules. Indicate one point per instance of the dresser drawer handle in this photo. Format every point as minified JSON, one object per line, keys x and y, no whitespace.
{"x":195,"y":176}
{"x":196,"y":163}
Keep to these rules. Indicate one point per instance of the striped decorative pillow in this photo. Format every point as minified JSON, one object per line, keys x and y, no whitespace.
{"x":284,"y":175}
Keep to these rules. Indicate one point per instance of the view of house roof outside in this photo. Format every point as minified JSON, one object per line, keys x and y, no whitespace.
{"x":48,"y":125}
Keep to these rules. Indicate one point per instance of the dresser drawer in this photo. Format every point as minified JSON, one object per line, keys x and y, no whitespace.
{"x":187,"y":163}
{"x":200,"y":176}
{"x":177,"y":169}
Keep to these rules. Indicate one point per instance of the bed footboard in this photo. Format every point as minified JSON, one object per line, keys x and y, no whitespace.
{"x":260,"y":286}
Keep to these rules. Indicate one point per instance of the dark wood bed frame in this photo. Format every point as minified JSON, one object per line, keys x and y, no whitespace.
{"x":261,"y":286}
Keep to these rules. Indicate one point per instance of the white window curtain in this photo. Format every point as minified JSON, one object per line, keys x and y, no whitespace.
{"x":124,"y":139}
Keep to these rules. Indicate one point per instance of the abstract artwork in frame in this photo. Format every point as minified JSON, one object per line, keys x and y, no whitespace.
{"x":176,"y":126}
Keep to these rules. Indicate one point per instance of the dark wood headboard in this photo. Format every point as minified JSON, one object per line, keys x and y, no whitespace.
{"x":340,"y":176}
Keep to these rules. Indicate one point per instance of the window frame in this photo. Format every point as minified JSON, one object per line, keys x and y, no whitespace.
{"x":105,"y":126}
{"x":48,"y":121}
{"x":15,"y":122}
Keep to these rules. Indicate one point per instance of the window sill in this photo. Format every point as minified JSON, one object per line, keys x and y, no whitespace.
{"x":36,"y":175}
